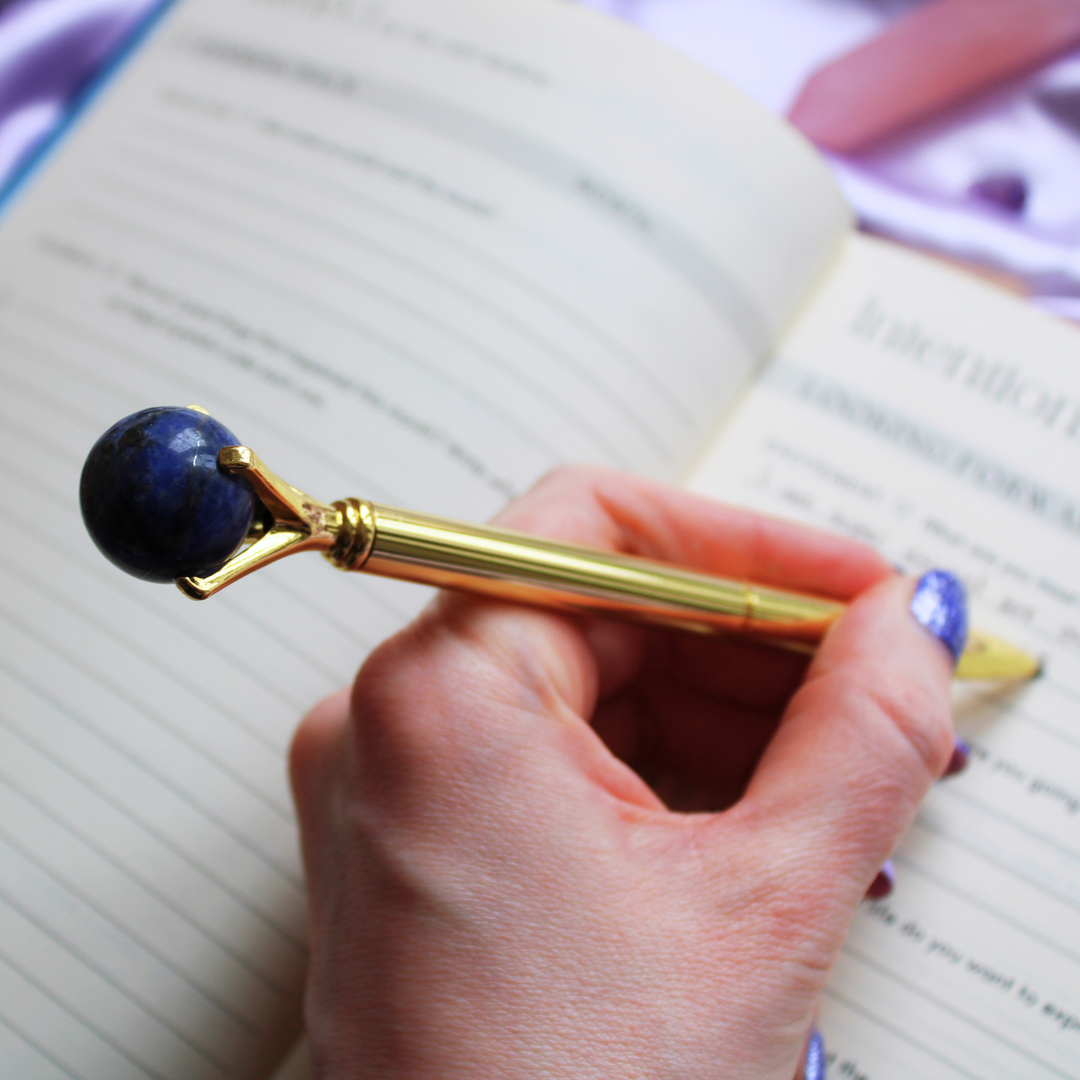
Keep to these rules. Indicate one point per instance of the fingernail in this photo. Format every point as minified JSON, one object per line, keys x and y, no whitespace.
{"x":940,"y":605}
{"x":958,"y":761}
{"x":883,"y":883}
{"x":815,"y":1057}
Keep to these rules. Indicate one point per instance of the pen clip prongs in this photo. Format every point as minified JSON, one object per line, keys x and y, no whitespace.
{"x":291,"y":521}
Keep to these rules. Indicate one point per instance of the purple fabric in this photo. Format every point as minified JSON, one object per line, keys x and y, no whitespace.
{"x":49,"y":49}
{"x":993,"y":182}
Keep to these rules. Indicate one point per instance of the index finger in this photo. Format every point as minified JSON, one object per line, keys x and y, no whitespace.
{"x":620,"y":512}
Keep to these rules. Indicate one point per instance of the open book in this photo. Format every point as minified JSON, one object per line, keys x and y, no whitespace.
{"x":422,"y":251}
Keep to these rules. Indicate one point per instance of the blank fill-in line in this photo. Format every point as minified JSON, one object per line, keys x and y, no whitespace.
{"x":904,"y":1036}
{"x":143,"y":824}
{"x":106,"y":976}
{"x":360,"y":242}
{"x":920,"y":991}
{"x":931,"y":826}
{"x":976,"y":901}
{"x":357,"y":283}
{"x":175,"y":133}
{"x":146,"y":712}
{"x":48,"y":992}
{"x":160,"y":895}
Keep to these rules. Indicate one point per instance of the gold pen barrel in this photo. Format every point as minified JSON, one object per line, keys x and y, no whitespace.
{"x":547,"y":573}
{"x":790,"y":615}
{"x":357,"y":535}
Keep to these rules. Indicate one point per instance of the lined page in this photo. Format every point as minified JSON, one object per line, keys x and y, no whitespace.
{"x":939,"y":419}
{"x":417,"y":252}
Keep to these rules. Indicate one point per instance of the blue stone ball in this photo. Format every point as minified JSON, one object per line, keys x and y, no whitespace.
{"x":156,"y":501}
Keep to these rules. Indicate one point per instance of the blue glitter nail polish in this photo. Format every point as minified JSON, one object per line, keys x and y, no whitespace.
{"x":940,"y":605}
{"x":815,"y":1057}
{"x":155,"y":500}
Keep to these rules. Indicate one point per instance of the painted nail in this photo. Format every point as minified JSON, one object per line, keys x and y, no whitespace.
{"x":940,"y":605}
{"x":958,"y":761}
{"x":883,"y":883}
{"x":815,"y":1057}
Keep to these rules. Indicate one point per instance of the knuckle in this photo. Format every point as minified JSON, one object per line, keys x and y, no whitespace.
{"x":914,"y":710}
{"x":574,"y":475}
{"x":418,"y":696}
{"x":567,"y":503}
{"x":562,"y":484}
{"x":388,"y":682}
{"x":925,"y":721}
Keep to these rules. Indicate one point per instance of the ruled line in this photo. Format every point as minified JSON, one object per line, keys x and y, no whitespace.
{"x":161,"y":896}
{"x":931,"y":826}
{"x":102,"y":573}
{"x":303,"y":600}
{"x":64,"y":709}
{"x":358,"y":241}
{"x":941,"y":1003}
{"x":108,"y":576}
{"x":285,"y":641}
{"x":178,"y":209}
{"x":48,"y":992}
{"x":257,"y":624}
{"x":1062,"y":687}
{"x":976,"y":901}
{"x":81,"y":334}
{"x":506,"y":271}
{"x":41,"y":444}
{"x":50,"y":402}
{"x":140,"y":1003}
{"x":208,"y":994}
{"x":35,"y":486}
{"x":178,"y":678}
{"x":164,"y":241}
{"x":17,"y":1030}
{"x":900,"y":1033}
{"x":665,"y":240}
{"x":1031,"y":720}
{"x":952,"y":792}
{"x":146,"y":712}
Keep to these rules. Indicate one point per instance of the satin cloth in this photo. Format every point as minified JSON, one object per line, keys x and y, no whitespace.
{"x":935,"y":188}
{"x":49,"y":50}
{"x":930,"y":190}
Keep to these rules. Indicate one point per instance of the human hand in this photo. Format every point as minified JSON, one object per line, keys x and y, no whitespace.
{"x":495,"y":889}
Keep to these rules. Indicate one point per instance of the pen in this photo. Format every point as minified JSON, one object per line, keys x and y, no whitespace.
{"x":143,"y":456}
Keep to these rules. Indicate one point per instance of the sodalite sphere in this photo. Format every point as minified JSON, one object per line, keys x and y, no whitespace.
{"x":156,"y":501}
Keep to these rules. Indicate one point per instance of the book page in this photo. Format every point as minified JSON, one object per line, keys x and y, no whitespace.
{"x":419,"y":252}
{"x":938,"y":419}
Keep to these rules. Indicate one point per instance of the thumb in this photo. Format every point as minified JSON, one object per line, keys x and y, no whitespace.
{"x":866,"y":735}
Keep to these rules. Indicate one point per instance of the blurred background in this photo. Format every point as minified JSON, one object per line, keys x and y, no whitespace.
{"x":952,"y":125}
